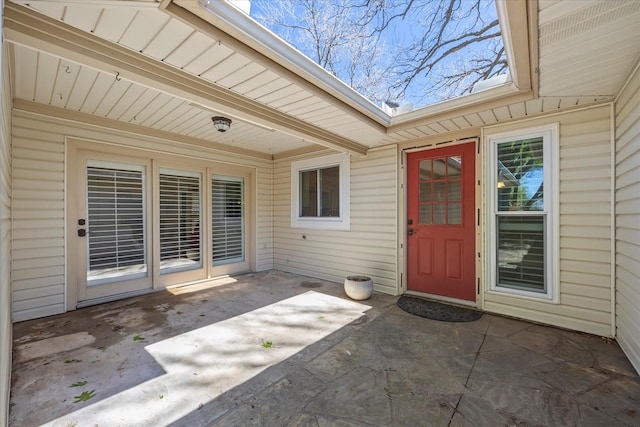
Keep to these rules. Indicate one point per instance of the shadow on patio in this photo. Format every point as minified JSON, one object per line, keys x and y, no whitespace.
{"x":275,"y":349}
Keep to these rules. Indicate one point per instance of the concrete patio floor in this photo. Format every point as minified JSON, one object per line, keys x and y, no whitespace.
{"x":277,"y":349}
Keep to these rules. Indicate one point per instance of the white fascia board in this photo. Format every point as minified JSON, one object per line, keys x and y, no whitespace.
{"x":449,"y":105}
{"x":253,"y":34}
{"x":514,"y":24}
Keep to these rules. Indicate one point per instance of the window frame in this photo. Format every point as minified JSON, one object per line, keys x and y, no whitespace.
{"x":341,"y":222}
{"x":550,"y":212}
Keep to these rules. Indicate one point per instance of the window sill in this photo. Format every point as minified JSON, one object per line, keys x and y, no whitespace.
{"x":530,"y":296}
{"x":338,"y":224}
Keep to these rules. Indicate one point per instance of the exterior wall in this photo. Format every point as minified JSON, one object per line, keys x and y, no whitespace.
{"x":628,"y":220}
{"x":585,"y":227}
{"x":368,"y":248}
{"x":38,"y":268}
{"x":5,"y":239}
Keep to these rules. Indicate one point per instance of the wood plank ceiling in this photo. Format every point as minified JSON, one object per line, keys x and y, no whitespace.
{"x":48,"y":78}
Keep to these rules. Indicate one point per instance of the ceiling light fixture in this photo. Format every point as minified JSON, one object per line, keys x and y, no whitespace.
{"x":221,"y":123}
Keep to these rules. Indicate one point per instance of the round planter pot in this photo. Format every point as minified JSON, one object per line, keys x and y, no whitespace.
{"x":358,"y":287}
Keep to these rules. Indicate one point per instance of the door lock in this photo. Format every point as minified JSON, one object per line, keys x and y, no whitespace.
{"x":82,"y":232}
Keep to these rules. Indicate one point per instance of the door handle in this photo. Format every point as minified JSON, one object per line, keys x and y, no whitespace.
{"x":82,"y":232}
{"x":410,"y":231}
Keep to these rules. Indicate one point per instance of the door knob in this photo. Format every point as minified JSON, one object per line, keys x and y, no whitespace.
{"x":410,"y":231}
{"x":82,"y":232}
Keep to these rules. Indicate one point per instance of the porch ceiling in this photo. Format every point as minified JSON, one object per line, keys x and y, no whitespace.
{"x":163,"y":67}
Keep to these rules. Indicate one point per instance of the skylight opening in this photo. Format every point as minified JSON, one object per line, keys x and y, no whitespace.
{"x":400,"y":54}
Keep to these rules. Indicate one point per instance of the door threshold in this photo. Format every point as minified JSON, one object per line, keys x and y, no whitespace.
{"x":443,"y":298}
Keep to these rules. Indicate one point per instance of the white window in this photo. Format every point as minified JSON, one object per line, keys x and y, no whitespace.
{"x":523,"y":212}
{"x":320,"y":193}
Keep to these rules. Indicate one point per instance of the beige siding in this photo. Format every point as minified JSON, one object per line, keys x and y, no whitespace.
{"x":368,"y":248}
{"x":585,"y":227}
{"x":38,"y":221}
{"x":628,"y":220}
{"x":39,"y":204}
{"x":5,"y":240}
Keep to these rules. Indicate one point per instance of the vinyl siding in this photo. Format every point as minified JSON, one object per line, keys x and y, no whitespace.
{"x":628,"y":220}
{"x":585,"y":227}
{"x":39,"y":204}
{"x":5,"y":240}
{"x":368,"y":248}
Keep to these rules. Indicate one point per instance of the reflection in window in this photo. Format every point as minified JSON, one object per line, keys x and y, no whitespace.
{"x":520,"y":175}
{"x":320,"y":192}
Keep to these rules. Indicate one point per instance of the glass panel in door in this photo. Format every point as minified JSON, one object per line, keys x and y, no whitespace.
{"x":440,"y":188}
{"x":180,"y":219}
{"x":116,"y":223}
{"x":227,"y":219}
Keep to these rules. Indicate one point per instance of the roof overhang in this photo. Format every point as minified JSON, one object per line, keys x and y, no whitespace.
{"x":203,"y":59}
{"x":246,"y":35}
{"x":23,"y":27}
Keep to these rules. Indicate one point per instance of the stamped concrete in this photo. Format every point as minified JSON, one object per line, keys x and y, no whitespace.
{"x":277,"y":349}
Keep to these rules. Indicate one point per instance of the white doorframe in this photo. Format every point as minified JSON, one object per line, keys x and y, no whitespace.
{"x":153,"y":161}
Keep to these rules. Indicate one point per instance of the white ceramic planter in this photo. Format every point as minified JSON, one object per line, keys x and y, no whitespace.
{"x":358,"y":287}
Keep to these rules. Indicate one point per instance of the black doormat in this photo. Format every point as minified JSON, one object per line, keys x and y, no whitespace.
{"x":437,"y":311}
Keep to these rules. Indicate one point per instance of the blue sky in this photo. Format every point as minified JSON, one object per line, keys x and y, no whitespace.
{"x":378,"y":64}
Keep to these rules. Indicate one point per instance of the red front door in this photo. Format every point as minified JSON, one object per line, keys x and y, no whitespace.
{"x":441,"y":221}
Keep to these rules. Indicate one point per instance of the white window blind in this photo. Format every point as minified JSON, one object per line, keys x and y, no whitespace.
{"x":116,"y":224}
{"x":180,"y":234}
{"x":227,"y":214}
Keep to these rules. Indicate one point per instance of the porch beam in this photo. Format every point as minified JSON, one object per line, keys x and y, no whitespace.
{"x":29,"y":28}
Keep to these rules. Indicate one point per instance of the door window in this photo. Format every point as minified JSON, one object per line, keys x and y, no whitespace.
{"x":116,"y":222}
{"x":441,"y":191}
{"x":180,"y":218}
{"x":227,"y":219}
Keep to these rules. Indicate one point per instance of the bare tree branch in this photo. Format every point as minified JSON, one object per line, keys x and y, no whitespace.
{"x":417,"y":50}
